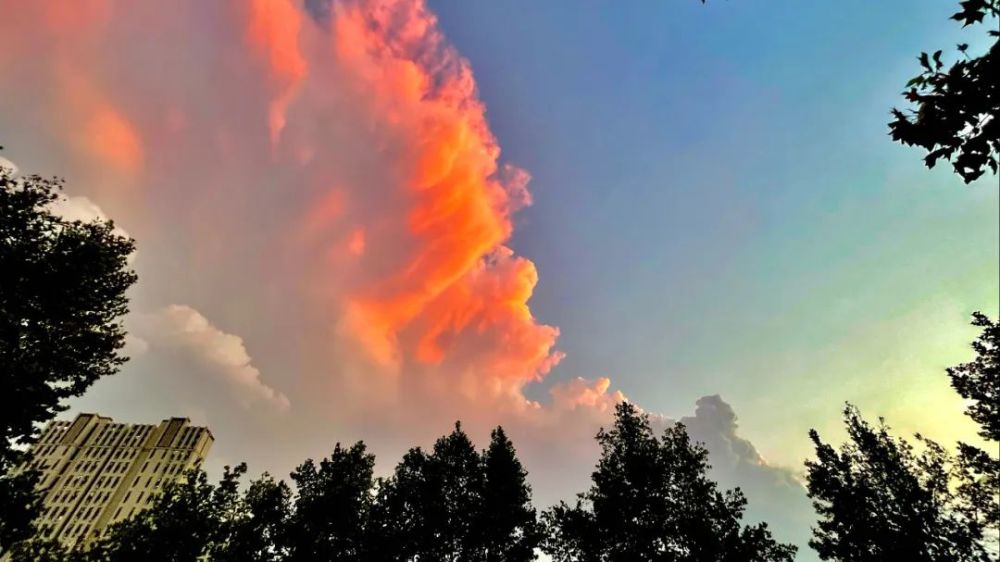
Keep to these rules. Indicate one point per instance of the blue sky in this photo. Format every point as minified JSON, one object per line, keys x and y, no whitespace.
{"x":718,"y":207}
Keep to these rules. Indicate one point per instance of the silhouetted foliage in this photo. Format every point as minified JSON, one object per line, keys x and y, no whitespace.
{"x":651,"y":500}
{"x":398,"y":526}
{"x":979,"y":383}
{"x":190,"y":519}
{"x":19,"y":504}
{"x":427,"y":509}
{"x":878,"y":500}
{"x":62,"y":297}
{"x":332,"y":507}
{"x":43,"y":550}
{"x":955,"y":107}
{"x":508,"y":527}
{"x":979,"y":380}
{"x":253,"y":531}
{"x":455,"y":504}
{"x":977,"y":474}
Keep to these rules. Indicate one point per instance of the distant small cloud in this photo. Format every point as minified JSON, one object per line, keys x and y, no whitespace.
{"x":580,"y":392}
{"x":134,"y":346}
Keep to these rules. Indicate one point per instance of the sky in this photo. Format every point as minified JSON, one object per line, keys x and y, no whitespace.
{"x":366,"y":219}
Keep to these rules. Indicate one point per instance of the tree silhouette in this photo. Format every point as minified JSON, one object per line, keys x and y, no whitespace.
{"x":254,"y":530}
{"x":62,"y":297}
{"x":399,"y":527}
{"x":955,"y":109}
{"x":508,"y":526}
{"x":43,"y":550}
{"x":19,"y":504}
{"x":978,"y":382}
{"x":186,"y":522}
{"x":455,"y":471}
{"x":651,"y":500}
{"x":428,"y":509}
{"x":879,"y":500}
{"x":332,"y":507}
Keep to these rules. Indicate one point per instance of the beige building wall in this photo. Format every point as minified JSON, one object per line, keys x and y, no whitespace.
{"x":96,"y":471}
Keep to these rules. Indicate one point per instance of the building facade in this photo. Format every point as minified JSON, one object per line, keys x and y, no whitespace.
{"x":95,"y":471}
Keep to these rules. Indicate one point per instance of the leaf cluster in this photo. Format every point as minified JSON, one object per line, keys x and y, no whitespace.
{"x":953,"y":109}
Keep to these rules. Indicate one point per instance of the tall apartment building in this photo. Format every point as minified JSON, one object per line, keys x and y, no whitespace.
{"x":96,"y":472}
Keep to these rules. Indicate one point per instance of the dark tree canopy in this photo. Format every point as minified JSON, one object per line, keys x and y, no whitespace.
{"x":979,"y":380}
{"x":428,"y":508}
{"x":254,"y":529}
{"x":190,"y":521}
{"x":878,"y":500}
{"x":455,"y":504}
{"x":187,"y":521}
{"x":62,"y":297}
{"x":19,"y":504}
{"x":508,"y":525}
{"x":399,"y":527}
{"x":954,"y":109}
{"x":652,"y":500}
{"x":332,"y":507}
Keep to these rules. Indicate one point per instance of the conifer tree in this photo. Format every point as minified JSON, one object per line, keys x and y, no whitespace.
{"x":509,"y":530}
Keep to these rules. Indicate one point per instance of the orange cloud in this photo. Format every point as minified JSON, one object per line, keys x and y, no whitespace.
{"x":456,"y":298}
{"x":377,"y":205}
{"x":67,"y":16}
{"x":108,"y":135}
{"x":579,"y":392}
{"x":356,"y":242}
{"x":273,"y":29}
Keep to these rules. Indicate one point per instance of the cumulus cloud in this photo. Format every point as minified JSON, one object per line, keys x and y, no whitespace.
{"x":714,"y":424}
{"x":775,"y":493}
{"x":342,"y":160}
{"x":582,"y":393}
{"x":337,"y":194}
{"x":182,"y":330}
{"x":80,"y":208}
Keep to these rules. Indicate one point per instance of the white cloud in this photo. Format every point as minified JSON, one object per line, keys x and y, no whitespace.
{"x":180,"y":329}
{"x":80,"y":208}
{"x":4,"y":163}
